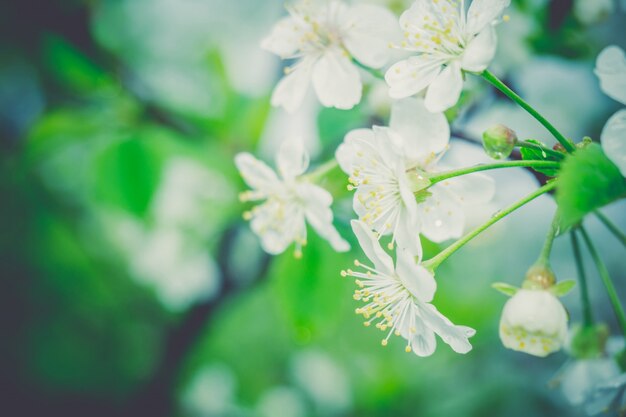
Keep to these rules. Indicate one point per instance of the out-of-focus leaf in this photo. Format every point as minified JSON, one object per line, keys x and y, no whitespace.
{"x":588,"y":181}
{"x":71,"y":68}
{"x":334,"y":124}
{"x":538,"y":155}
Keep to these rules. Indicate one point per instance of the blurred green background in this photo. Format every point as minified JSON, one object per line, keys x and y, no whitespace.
{"x":130,"y":283}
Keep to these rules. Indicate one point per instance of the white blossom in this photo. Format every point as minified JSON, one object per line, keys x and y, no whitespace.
{"x":398,"y":298}
{"x":534,"y":322}
{"x":288,"y":201}
{"x":447,"y":40}
{"x":323,"y":37}
{"x":388,"y":165}
{"x":579,"y":377}
{"x":611,"y":70}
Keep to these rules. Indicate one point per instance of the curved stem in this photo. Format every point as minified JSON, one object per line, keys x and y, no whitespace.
{"x":376,"y":73}
{"x":606,"y":280}
{"x":582,"y":279}
{"x":612,"y":228}
{"x":534,"y":146}
{"x":495,"y":81}
{"x":434,"y":262}
{"x":322,"y":170}
{"x":440,"y":176}
{"x":544,"y":256}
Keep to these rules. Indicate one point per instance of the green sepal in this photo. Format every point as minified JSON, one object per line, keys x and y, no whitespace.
{"x":504,"y":288}
{"x":539,"y":155}
{"x":589,"y":342}
{"x":563,"y":288}
{"x":588,"y":180}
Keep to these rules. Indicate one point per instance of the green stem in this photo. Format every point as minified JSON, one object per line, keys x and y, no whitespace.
{"x":322,"y":170}
{"x":606,"y":280}
{"x":495,"y":81}
{"x":544,"y":255}
{"x":612,"y":228}
{"x":582,"y":279}
{"x":536,"y":147}
{"x":374,"y":72}
{"x":434,"y":262}
{"x":440,"y":176}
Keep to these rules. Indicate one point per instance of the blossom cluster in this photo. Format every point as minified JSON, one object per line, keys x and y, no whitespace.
{"x":404,"y":188}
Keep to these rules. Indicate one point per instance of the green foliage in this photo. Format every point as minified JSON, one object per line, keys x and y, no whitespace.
{"x":588,"y":181}
{"x":539,"y":155}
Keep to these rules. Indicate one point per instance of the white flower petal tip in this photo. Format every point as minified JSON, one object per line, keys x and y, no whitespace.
{"x":613,"y":140}
{"x":323,"y":38}
{"x":534,"y":322}
{"x":397,"y":300}
{"x":456,"y":41}
{"x":611,"y":70}
{"x":286,"y":203}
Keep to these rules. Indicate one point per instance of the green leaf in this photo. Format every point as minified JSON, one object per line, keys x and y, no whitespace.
{"x":563,"y":287}
{"x":588,"y":181}
{"x":539,"y":155}
{"x":504,"y":288}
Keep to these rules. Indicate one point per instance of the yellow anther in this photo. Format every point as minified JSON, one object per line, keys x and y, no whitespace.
{"x":383,"y":342}
{"x":506,"y":18}
{"x":407,"y":349}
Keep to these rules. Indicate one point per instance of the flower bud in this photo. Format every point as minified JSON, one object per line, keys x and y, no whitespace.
{"x":588,"y":342}
{"x":533,"y":321}
{"x":499,"y":141}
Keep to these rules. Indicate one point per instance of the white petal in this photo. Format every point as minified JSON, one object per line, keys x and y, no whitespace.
{"x":480,"y":51}
{"x":336,"y":80}
{"x":482,"y":12}
{"x":445,"y":90}
{"x":292,"y":159}
{"x":407,"y":232}
{"x":317,"y":203}
{"x":420,"y":283}
{"x":412,"y":75}
{"x":291,"y":89}
{"x":369,"y":243}
{"x":346,"y":152}
{"x":455,"y":336}
{"x":423,"y":342}
{"x":613,"y":140}
{"x":254,"y":172}
{"x":276,"y":231}
{"x":370,"y":30}
{"x":611,"y":69}
{"x":441,"y":215}
{"x":474,"y":188}
{"x":423,"y":132}
{"x":284,"y":40}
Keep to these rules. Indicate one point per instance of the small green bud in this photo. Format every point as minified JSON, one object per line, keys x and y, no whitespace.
{"x":539,"y":277}
{"x":499,"y":141}
{"x":589,"y":342}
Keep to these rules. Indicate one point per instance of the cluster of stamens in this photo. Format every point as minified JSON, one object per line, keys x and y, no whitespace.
{"x":388,"y":303}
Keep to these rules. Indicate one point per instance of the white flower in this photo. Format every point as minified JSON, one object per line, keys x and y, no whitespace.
{"x":322,"y":36}
{"x":579,"y":377}
{"x":289,"y":201}
{"x":388,"y":165}
{"x":447,"y":41}
{"x":533,"y":321}
{"x":611,"y":69}
{"x":398,"y":299}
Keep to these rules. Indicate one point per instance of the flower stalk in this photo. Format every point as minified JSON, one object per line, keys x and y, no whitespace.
{"x":495,"y":81}
{"x":618,"y":309}
{"x":582,"y":279}
{"x":434,"y":262}
{"x":612,"y":227}
{"x":441,"y":176}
